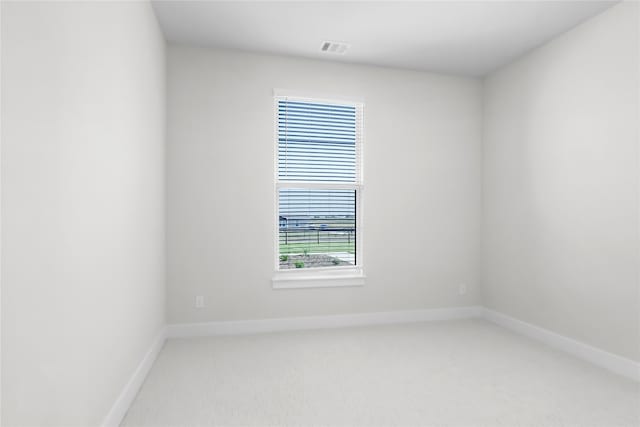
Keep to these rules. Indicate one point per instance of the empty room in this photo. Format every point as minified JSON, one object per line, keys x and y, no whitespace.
{"x":320,"y":213}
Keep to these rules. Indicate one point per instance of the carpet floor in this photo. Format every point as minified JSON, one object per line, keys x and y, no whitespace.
{"x":454,"y":373}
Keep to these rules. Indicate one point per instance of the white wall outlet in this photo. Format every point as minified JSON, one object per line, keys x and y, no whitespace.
{"x":462,"y":288}
{"x":199,"y":301}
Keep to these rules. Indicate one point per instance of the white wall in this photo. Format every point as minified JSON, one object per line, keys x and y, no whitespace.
{"x":421,"y":199}
{"x":83,"y":202}
{"x":560,"y":193}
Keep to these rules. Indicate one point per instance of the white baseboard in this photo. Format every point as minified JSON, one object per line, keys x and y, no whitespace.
{"x":130,"y":390}
{"x":604,"y":359}
{"x":319,"y":322}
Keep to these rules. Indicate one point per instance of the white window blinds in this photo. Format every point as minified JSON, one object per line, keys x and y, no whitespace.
{"x":318,"y":142}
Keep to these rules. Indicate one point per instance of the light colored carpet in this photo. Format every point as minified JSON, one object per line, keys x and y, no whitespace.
{"x":458,"y":373}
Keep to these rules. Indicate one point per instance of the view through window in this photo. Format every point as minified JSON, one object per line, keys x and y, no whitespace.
{"x":319,"y":183}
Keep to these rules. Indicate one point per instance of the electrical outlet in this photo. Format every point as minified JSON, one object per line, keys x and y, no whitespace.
{"x":462,"y":289}
{"x":199,"y":301}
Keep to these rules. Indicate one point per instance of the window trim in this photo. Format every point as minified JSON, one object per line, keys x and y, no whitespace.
{"x":338,"y":276}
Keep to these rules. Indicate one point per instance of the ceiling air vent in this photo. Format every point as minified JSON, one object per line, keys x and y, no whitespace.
{"x":334,"y":47}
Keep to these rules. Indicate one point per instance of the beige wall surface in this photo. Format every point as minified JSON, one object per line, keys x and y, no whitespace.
{"x":560,"y":185}
{"x":421,"y":201}
{"x":82,"y":205}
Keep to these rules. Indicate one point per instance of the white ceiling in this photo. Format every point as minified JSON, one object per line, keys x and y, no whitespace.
{"x":468,"y":38}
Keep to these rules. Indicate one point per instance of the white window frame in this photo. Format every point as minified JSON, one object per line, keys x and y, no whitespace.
{"x":337,"y":276}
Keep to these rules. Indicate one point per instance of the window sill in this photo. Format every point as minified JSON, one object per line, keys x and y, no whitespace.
{"x":317,"y":279}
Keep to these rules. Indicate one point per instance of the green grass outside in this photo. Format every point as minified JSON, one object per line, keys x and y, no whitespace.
{"x":317,"y":248}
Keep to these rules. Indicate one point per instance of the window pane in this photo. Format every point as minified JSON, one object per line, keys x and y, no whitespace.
{"x":316,"y":142}
{"x":317,"y":228}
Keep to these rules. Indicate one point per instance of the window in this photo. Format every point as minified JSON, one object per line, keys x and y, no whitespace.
{"x":318,"y":192}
